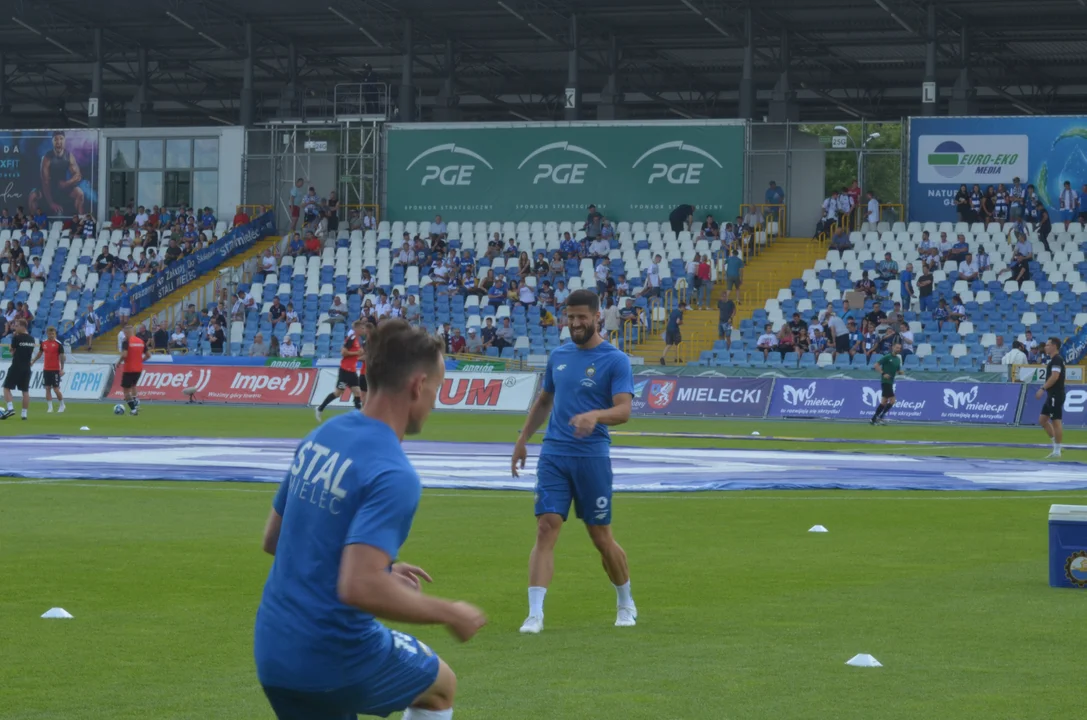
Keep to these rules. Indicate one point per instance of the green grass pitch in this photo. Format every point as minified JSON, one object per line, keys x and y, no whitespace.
{"x":743,"y":614}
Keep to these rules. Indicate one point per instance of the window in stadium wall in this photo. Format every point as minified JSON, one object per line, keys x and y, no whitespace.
{"x":171,"y":172}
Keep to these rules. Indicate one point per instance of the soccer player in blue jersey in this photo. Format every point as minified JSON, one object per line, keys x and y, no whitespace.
{"x":336,"y":528}
{"x":588,"y":386}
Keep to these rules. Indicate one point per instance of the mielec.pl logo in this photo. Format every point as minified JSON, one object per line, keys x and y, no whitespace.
{"x":458,"y":172}
{"x":564,"y":172}
{"x":686,"y":172}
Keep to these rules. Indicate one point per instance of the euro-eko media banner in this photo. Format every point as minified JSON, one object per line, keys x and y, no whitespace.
{"x":709,"y":396}
{"x":1075,"y":406}
{"x":979,"y":403}
{"x":951,"y":151}
{"x":52,"y":171}
{"x":179,"y":273}
{"x":546,"y":171}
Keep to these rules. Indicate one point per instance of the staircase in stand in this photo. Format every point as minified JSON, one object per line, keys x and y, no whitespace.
{"x":765,"y":274}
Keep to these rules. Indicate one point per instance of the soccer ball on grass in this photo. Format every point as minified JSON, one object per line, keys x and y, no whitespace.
{"x":118,"y":409}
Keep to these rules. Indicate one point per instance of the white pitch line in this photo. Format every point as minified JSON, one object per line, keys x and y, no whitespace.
{"x":733,"y":495}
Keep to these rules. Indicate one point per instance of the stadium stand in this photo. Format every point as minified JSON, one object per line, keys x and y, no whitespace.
{"x":81,"y":268}
{"x":1053,"y":297}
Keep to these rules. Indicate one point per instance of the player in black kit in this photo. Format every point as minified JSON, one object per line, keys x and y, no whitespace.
{"x":18,"y":377}
{"x":1051,"y":418}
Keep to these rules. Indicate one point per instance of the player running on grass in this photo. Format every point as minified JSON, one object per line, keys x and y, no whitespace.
{"x":889,"y":366}
{"x":349,"y":376}
{"x":133,"y":354}
{"x":53,"y":367}
{"x":588,"y":386}
{"x":1051,"y":417}
{"x":336,"y":527}
{"x":18,"y":376}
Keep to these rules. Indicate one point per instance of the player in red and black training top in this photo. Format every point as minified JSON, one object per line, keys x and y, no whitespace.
{"x":1052,"y":415}
{"x":53,"y":371}
{"x":133,"y":353}
{"x":348,"y":379}
{"x":18,"y":376}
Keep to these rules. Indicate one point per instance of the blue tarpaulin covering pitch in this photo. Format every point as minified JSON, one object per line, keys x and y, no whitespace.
{"x":487,"y":466}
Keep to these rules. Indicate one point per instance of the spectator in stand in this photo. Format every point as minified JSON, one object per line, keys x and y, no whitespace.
{"x":561,"y":293}
{"x":873,"y":208}
{"x":887,"y":269}
{"x":406,"y":256}
{"x":767,"y":341}
{"x":786,"y":341}
{"x":601,"y":274}
{"x":877,"y":316}
{"x":74,"y":285}
{"x":296,"y":247}
{"x":837,"y":332}
{"x":160,"y":340}
{"x":1019,"y":268}
{"x":607,"y":232}
{"x":710,"y":230}
{"x":546,"y":295}
{"x":179,"y":340}
{"x":1045,"y":225}
{"x":268,"y":265}
{"x":651,"y":288}
{"x":511,"y":251}
{"x":276,"y":312}
{"x":926,"y":249}
{"x":526,"y":296}
{"x":104,"y":262}
{"x":369,"y":222}
{"x":37,"y":272}
{"x":287,"y":348}
{"x":173,"y":252}
{"x":905,"y":338}
{"x":774,"y":196}
{"x":546,"y":318}
{"x":258,"y":348}
{"x":569,"y":247}
{"x":734,"y":273}
{"x":682,"y":218}
{"x":488,"y":333}
{"x":797,"y":324}
{"x":1069,"y":204}
{"x":412,"y":311}
{"x":456,"y":342}
{"x":925,"y":285}
{"x":524,"y":265}
{"x":1015,"y":356}
{"x":984,"y":261}
{"x":941,"y":314}
{"x":593,"y":223}
{"x":504,"y":335}
{"x":599,"y":248}
{"x":216,"y":338}
{"x":496,"y":296}
{"x":845,"y":208}
{"x":840,"y":241}
{"x":830,"y":213}
{"x":1030,"y":345}
{"x":473,"y":344}
{"x":1023,"y":247}
{"x":997,"y":351}
{"x":240,"y":218}
{"x":958,"y":251}
{"x":908,"y":290}
{"x":866,"y":286}
{"x":312,"y":245}
{"x":968,"y":269}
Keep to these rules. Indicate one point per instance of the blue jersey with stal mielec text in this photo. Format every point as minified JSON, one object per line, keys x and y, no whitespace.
{"x":350,"y":483}
{"x":581,"y":381}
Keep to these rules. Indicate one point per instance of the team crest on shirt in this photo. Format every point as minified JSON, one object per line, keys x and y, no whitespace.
{"x":587,"y":381}
{"x":590,"y":371}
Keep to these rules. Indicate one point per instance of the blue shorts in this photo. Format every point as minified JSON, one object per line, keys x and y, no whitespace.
{"x":1068,"y":215}
{"x":407,"y":673}
{"x":585,"y":481}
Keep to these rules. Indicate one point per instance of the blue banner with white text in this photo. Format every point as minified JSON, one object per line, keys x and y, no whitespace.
{"x":179,"y":273}
{"x":948,"y":152}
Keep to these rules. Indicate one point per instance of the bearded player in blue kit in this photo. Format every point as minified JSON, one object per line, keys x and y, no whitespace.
{"x":337,"y":525}
{"x":588,"y":386}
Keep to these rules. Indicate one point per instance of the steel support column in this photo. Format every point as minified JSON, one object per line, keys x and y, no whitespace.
{"x":572,"y":105}
{"x":611,"y":97}
{"x":138,"y":110}
{"x":963,"y":93}
{"x":930,"y":90}
{"x":96,"y":103}
{"x":5,"y":108}
{"x":407,"y":77}
{"x":289,"y":105}
{"x":747,"y":80}
{"x":447,"y":108}
{"x":783,"y":105}
{"x":247,"y":102}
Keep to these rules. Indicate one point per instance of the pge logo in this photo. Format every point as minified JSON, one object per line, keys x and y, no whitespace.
{"x":562,"y":173}
{"x":661,"y":393}
{"x":959,"y":400}
{"x":798,"y":396}
{"x":682,"y":173}
{"x":454,"y":174}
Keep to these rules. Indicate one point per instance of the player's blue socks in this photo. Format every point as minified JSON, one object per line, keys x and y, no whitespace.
{"x":536,"y":601}
{"x":417,"y":714}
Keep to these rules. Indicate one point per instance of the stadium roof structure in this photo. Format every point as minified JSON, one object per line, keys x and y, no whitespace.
{"x":184,"y":62}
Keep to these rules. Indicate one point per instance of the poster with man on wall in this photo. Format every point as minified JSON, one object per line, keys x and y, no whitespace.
{"x":50,"y":172}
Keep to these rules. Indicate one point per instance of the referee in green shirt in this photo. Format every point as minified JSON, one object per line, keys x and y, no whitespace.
{"x":889,"y":366}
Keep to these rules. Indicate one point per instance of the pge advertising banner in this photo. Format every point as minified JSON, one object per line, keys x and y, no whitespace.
{"x":917,"y":401}
{"x":544,"y":171}
{"x":952,"y":151}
